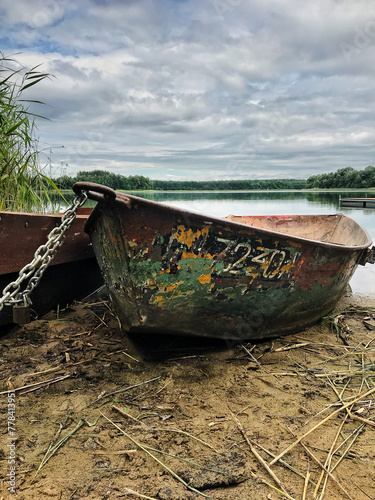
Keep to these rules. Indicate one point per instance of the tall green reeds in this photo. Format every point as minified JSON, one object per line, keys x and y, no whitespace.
{"x":23,"y":187}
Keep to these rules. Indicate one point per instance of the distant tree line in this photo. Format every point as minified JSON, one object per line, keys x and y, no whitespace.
{"x":344,"y":178}
{"x":235,"y":185}
{"x":139,"y":182}
{"x":115,"y":181}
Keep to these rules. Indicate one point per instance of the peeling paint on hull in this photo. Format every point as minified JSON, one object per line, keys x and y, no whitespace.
{"x":171,"y":271}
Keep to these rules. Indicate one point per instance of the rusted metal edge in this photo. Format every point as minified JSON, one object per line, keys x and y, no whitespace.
{"x":93,"y":188}
{"x":367,"y":257}
{"x":126,"y":199}
{"x":112,"y":196}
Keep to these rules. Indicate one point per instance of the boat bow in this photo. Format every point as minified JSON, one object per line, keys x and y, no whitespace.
{"x":172,"y":271}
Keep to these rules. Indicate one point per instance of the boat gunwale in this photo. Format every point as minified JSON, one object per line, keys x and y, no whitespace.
{"x":124,"y":198}
{"x":51,"y":215}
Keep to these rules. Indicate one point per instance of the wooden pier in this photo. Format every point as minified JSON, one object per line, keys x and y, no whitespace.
{"x":357,"y":202}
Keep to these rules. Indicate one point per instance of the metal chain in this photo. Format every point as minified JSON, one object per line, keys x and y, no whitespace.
{"x":45,"y":253}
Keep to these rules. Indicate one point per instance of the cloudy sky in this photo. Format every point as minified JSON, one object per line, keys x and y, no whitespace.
{"x":200,"y":89}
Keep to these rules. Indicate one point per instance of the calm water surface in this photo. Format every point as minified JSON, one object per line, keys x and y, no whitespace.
{"x":220,"y":204}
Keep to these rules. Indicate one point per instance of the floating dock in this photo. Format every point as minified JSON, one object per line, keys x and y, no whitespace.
{"x":357,"y":202}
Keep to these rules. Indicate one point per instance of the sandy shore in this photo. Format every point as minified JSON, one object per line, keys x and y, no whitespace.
{"x":97,"y":413}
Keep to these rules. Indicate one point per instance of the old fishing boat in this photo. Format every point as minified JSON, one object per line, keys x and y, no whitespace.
{"x":73,"y":273}
{"x":173,"y":271}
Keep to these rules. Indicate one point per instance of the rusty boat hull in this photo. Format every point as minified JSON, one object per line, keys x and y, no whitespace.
{"x":72,"y":274}
{"x":171,"y":271}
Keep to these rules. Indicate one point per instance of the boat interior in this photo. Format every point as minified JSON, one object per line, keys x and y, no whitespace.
{"x":336,"y":228}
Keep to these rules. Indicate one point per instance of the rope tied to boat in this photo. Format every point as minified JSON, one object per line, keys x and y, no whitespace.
{"x":12,"y":294}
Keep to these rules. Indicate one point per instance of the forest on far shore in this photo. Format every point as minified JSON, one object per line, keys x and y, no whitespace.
{"x":343,"y":178}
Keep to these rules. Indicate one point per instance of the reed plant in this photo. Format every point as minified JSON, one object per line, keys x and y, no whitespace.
{"x":23,"y":186}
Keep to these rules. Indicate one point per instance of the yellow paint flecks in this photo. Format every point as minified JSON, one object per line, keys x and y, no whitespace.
{"x":163,"y":290}
{"x":189,"y":236}
{"x":188,"y":255}
{"x":170,"y":288}
{"x":295,"y":244}
{"x":205,"y":278}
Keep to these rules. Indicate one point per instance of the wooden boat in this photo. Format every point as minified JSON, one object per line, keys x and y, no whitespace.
{"x":72,"y":274}
{"x":174,"y":271}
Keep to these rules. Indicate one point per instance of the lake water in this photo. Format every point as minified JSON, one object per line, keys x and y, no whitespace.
{"x":220,"y":204}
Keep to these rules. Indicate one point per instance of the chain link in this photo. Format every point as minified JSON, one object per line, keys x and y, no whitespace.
{"x":12,"y":293}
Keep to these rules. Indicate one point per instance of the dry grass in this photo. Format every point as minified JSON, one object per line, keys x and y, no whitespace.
{"x":311,"y":460}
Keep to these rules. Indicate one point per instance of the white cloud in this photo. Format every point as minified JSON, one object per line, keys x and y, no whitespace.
{"x":193,"y":88}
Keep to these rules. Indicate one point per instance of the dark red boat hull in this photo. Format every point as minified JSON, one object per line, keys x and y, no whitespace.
{"x":72,"y":274}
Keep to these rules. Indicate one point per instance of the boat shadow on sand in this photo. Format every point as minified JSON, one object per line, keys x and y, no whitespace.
{"x":163,"y":347}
